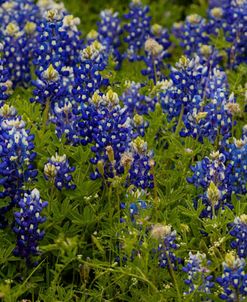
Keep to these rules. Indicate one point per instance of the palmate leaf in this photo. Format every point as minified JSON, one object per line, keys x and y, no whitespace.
{"x":220,"y":41}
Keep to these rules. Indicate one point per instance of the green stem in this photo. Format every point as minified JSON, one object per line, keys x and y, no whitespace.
{"x":171,"y":272}
{"x":213,"y":212}
{"x":156,"y":199}
{"x":180,"y":120}
{"x":46,"y":114}
{"x":155,"y":71}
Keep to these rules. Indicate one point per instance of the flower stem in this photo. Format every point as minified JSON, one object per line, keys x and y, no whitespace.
{"x":180,"y":119}
{"x":46,"y":114}
{"x":171,"y":272}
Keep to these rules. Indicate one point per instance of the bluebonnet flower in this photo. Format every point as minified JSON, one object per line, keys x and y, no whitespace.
{"x":109,"y":30}
{"x":15,"y":54}
{"x":110,"y":134}
{"x":136,"y":101}
{"x":57,"y":171}
{"x":16,"y":152}
{"x":212,"y":175}
{"x":16,"y":157}
{"x":5,"y":83}
{"x":134,"y":228}
{"x":233,"y":281}
{"x":49,"y":88}
{"x":138,"y":29}
{"x":161,"y":35}
{"x":184,"y":85}
{"x":156,"y":48}
{"x":167,"y":238}
{"x":198,"y":274}
{"x":237,"y":155}
{"x":45,"y":5}
{"x":209,"y":119}
{"x":138,"y":125}
{"x":239,"y":231}
{"x":200,"y":95}
{"x":138,"y":161}
{"x":66,"y":121}
{"x":93,"y":60}
{"x":59,"y":42}
{"x":231,"y":17}
{"x":19,"y":19}
{"x":193,"y":34}
{"x":154,"y":60}
{"x":27,"y":224}
{"x":134,"y":210}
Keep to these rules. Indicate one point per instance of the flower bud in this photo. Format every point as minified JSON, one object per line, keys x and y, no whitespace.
{"x":217,"y":12}
{"x":50,"y":74}
{"x":213,"y":194}
{"x":153,"y":47}
{"x":100,"y":167}
{"x":50,"y":171}
{"x":110,"y":154}
{"x":30,"y":28}
{"x":159,"y":231}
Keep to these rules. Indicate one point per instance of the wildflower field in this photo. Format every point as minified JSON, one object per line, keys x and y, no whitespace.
{"x":123,"y":150}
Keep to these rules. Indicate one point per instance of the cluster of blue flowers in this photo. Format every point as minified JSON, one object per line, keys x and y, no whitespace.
{"x":109,"y":32}
{"x":57,"y":171}
{"x":75,"y":95}
{"x":17,"y":157}
{"x":212,"y":175}
{"x":237,"y":155}
{"x":167,"y":246}
{"x":226,"y":16}
{"x":239,"y":231}
{"x":27,"y":223}
{"x":114,"y":147}
{"x":198,"y":277}
{"x":138,"y":29}
{"x":233,"y":281}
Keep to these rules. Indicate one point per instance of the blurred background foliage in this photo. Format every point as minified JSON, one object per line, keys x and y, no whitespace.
{"x":164,"y":12}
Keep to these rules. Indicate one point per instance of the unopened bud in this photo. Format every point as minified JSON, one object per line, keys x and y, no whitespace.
{"x":230,"y":259}
{"x":12,"y":29}
{"x":50,"y":171}
{"x":50,"y":74}
{"x":126,"y":160}
{"x":194,"y":19}
{"x":213,"y":194}
{"x":100,"y":167}
{"x":112,"y":97}
{"x":159,"y":231}
{"x":92,"y":35}
{"x":233,"y":108}
{"x":200,"y":116}
{"x":217,"y":12}
{"x":243,"y":218}
{"x":110,"y":154}
{"x":138,"y":119}
{"x":30,"y":27}
{"x":156,"y":29}
{"x":153,"y":47}
{"x":206,"y":50}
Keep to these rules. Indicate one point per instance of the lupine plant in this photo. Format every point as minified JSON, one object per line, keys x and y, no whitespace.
{"x":123,"y":150}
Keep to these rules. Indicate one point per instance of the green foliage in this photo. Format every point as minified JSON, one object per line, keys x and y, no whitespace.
{"x":84,"y":236}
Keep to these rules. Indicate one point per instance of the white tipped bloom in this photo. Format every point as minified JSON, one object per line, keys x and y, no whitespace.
{"x":159,"y":231}
{"x":50,"y":74}
{"x":153,"y":47}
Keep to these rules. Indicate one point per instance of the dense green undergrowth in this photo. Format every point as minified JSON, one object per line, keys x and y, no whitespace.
{"x":84,"y":235}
